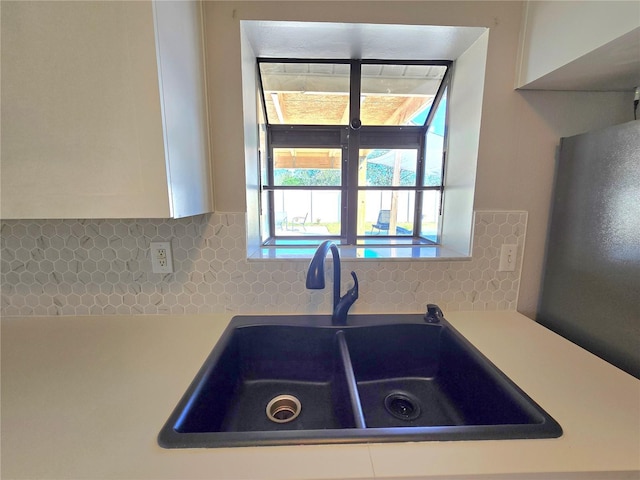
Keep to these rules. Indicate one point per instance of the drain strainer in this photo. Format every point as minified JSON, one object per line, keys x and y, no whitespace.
{"x":283,"y":409}
{"x":402,"y":406}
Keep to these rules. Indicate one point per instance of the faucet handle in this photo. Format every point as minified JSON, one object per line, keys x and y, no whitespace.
{"x":341,"y":310}
{"x":354,"y":289}
{"x":434,"y":314}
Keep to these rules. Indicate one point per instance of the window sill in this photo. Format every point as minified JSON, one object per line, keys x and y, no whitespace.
{"x":364,"y":253}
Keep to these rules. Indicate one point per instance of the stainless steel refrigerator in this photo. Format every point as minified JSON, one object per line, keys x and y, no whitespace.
{"x":591,"y":286}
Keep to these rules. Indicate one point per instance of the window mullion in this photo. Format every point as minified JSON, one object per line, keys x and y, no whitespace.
{"x":353,"y":154}
{"x":270,"y":182}
{"x":417,"y":216}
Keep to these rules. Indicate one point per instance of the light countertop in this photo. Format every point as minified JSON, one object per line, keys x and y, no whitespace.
{"x":85,"y":397}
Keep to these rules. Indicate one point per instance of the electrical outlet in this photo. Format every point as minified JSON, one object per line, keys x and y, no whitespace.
{"x":508,"y":258}
{"x":161,"y":258}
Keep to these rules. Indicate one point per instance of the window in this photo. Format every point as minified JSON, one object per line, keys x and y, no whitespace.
{"x":352,"y":150}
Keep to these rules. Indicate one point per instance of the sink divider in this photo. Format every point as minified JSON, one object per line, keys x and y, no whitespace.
{"x":354,"y":396}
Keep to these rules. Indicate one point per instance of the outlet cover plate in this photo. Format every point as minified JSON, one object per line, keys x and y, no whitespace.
{"x":508,"y":258}
{"x":161,"y":257}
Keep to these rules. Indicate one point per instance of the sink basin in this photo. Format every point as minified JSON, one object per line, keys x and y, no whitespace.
{"x":260,"y":363}
{"x":274,"y":380}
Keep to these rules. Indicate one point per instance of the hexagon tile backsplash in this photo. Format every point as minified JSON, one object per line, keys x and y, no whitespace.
{"x":102,"y":267}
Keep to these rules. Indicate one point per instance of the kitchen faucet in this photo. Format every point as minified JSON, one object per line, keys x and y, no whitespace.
{"x":315,"y":281}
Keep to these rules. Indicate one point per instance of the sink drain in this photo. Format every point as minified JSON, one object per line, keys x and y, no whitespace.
{"x":283,"y":409}
{"x":402,"y":406}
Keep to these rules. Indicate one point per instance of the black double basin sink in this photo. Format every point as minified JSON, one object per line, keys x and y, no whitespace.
{"x":279,"y":380}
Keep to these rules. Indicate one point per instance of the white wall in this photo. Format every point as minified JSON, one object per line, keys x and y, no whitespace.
{"x":520,"y":130}
{"x":224,"y":59}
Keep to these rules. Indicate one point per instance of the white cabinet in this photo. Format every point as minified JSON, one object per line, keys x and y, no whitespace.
{"x":579,"y":46}
{"x":104,"y":110}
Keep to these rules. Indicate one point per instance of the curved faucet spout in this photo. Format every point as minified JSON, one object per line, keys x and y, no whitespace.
{"x":315,"y":274}
{"x":315,"y":280}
